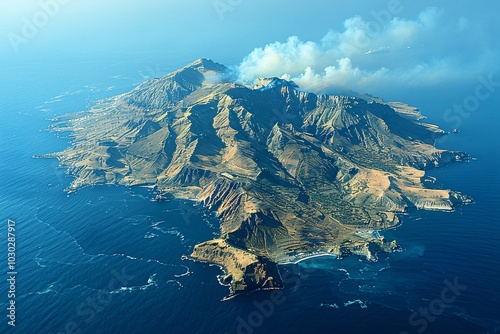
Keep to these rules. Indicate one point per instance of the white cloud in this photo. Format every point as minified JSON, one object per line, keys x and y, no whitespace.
{"x":369,"y":54}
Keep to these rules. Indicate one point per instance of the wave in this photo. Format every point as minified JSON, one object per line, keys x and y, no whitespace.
{"x":171,"y":230}
{"x":335,"y":306}
{"x":345,"y":271}
{"x":354,"y":302}
{"x":176,"y":282}
{"x":187,"y":273}
{"x":48,"y":290}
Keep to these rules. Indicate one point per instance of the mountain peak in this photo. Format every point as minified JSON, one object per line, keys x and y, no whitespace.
{"x":269,"y":83}
{"x":174,"y":87}
{"x":205,"y":64}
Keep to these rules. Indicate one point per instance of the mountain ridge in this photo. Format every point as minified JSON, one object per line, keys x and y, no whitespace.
{"x":288,"y":172}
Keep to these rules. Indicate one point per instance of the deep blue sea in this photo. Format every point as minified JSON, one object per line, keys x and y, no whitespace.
{"x":106,"y":259}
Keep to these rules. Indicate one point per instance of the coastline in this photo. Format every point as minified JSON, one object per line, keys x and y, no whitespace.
{"x":307,"y":257}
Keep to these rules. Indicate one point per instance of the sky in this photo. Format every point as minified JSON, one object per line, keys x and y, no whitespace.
{"x":378,"y":47}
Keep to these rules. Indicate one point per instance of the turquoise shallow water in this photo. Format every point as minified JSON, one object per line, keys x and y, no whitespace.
{"x":108,"y":260}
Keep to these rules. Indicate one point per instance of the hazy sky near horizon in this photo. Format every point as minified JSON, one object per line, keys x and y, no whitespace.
{"x":318,"y":43}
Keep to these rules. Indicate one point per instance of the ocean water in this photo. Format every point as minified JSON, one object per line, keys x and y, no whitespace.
{"x":108,"y":260}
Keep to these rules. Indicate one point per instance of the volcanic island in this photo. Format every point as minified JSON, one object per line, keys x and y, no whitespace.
{"x":288,"y":173}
